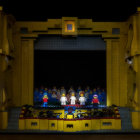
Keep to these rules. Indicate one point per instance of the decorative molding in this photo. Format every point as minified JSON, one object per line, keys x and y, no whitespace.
{"x":69,"y":21}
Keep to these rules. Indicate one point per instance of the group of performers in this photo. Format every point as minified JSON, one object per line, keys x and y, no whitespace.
{"x":72,"y":96}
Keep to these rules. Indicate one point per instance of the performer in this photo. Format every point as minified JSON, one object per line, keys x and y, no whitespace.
{"x":54,"y":89}
{"x":63,"y":99}
{"x":58,"y":94}
{"x":86,"y":94}
{"x":36,"y":95}
{"x":46,"y":89}
{"x":103,"y":94}
{"x":45,"y":100}
{"x":78,"y":92}
{"x":68,"y":97}
{"x":40,"y":96}
{"x":54,"y":97}
{"x":62,"y":90}
{"x":88,"y":89}
{"x":100,"y":97}
{"x":49,"y":94}
{"x":82,"y":99}
{"x":95,"y":101}
{"x":72,"y":99}
{"x":98,"y":90}
{"x":90,"y":96}
{"x":79,"y":89}
{"x":42,"y":89}
{"x":95,"y":91}
{"x":71,"y":90}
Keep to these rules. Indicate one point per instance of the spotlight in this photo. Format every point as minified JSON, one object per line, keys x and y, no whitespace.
{"x":129,"y":60}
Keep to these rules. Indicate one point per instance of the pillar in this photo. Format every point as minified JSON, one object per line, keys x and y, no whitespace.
{"x":123,"y":72}
{"x":16,"y":99}
{"x":3,"y":112}
{"x":1,"y":28}
{"x":136,"y":112}
{"x":5,"y":43}
{"x":27,"y":72}
{"x":115,"y":72}
{"x":108,"y":72}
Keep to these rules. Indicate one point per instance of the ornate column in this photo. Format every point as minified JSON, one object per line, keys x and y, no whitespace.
{"x":109,"y":72}
{"x":136,"y":112}
{"x":1,"y":30}
{"x":113,"y":73}
{"x":138,"y":57}
{"x":16,"y":99}
{"x":123,"y":72}
{"x":3,"y":99}
{"x":27,"y":71}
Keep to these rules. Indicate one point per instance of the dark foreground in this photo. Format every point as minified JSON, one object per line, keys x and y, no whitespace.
{"x":69,"y":137}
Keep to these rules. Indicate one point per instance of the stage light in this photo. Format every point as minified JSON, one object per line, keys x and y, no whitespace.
{"x":129,"y":60}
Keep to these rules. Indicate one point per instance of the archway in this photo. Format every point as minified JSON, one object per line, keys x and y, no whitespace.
{"x":70,"y":61}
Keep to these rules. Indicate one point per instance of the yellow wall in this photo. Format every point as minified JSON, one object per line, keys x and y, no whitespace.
{"x":117,"y":43}
{"x":62,"y":125}
{"x":18,"y":80}
{"x":23,"y":72}
{"x":133,"y":75}
{"x":5,"y":64}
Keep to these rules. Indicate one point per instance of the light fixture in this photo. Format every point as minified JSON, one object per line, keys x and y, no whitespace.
{"x":129,"y":60}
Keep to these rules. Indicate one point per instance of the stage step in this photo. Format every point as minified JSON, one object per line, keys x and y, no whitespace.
{"x":13,"y":118}
{"x":125,"y":115}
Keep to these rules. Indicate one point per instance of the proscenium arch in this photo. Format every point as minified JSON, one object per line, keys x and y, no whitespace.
{"x":114,"y":55}
{"x":18,"y":80}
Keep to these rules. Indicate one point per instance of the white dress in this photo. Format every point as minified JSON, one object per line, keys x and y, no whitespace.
{"x":63,"y":100}
{"x":73,"y":99}
{"x":82,"y":100}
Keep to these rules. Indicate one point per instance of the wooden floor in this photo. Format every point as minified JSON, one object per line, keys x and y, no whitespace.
{"x":69,"y":137}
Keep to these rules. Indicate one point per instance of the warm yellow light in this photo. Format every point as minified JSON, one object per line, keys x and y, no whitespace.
{"x":72,"y":23}
{"x":138,"y":9}
{"x":1,"y":8}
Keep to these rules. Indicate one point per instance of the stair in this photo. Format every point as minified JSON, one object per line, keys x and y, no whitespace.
{"x":13,"y":118}
{"x":126,"y":118}
{"x":124,"y":114}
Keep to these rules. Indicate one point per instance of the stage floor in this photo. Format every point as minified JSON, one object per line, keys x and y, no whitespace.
{"x":126,"y":127}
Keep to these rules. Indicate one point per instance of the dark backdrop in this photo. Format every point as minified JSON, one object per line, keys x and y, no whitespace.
{"x":70,"y":68}
{"x":98,"y":10}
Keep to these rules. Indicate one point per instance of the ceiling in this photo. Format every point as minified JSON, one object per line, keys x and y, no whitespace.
{"x":98,"y":10}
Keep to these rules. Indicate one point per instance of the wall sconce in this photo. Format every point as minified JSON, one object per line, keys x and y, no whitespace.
{"x":129,"y":60}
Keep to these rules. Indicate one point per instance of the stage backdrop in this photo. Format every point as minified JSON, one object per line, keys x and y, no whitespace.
{"x":71,"y":43}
